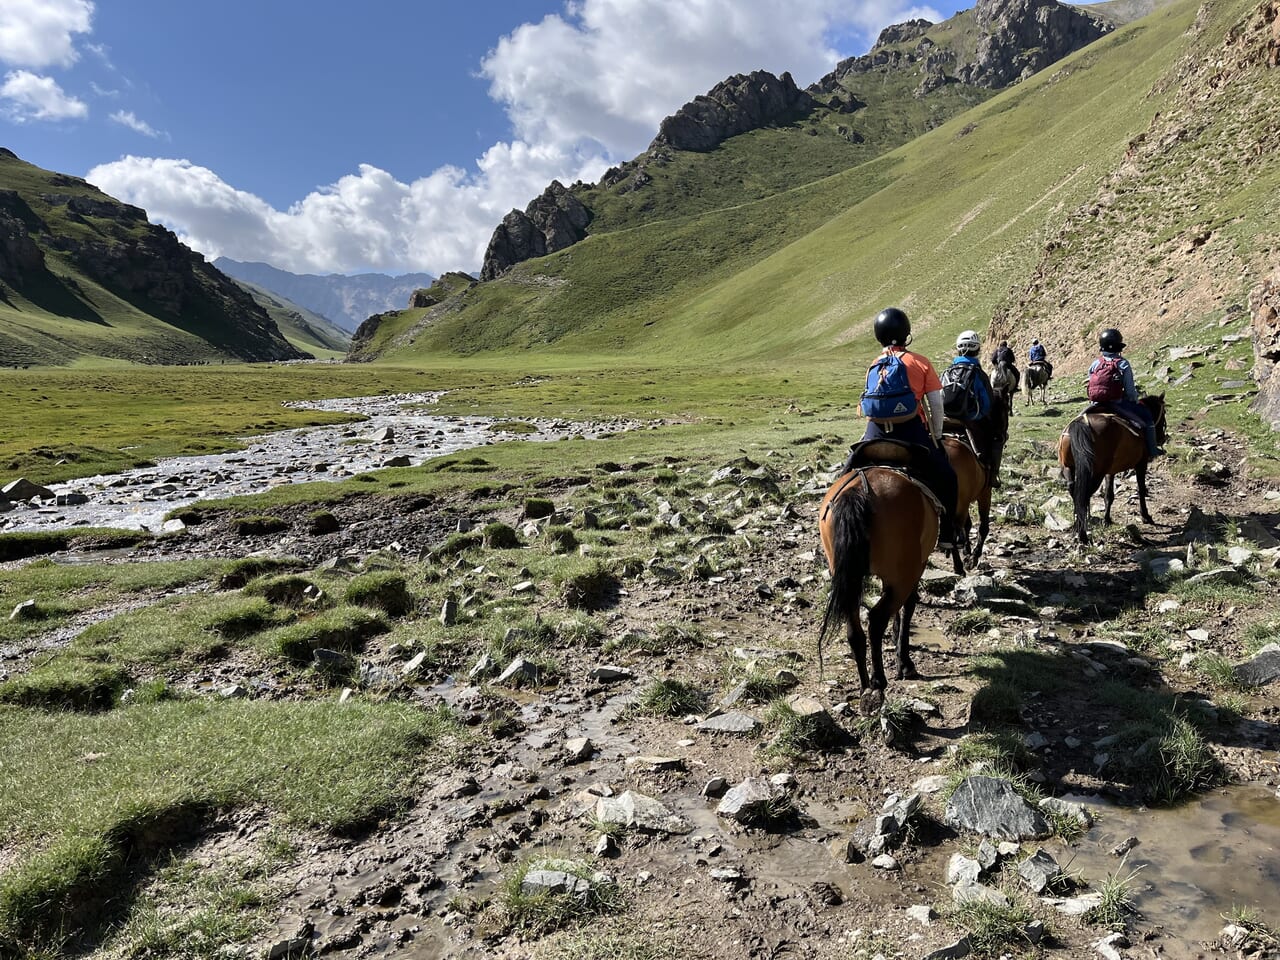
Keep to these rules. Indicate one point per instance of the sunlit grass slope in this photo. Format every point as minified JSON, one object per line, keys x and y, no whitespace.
{"x":944,"y":225}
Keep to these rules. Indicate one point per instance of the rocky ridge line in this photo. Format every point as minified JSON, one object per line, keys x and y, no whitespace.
{"x":1018,"y":38}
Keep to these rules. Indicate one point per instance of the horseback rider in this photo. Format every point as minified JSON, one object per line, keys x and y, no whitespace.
{"x":924,"y":425}
{"x":1111,"y":382}
{"x":1004,"y":354}
{"x":1037,"y":354}
{"x":985,"y":430}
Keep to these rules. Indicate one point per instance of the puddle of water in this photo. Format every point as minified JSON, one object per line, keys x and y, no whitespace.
{"x":1194,"y":863}
{"x":139,"y":499}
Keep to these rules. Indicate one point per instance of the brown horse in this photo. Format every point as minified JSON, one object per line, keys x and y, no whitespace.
{"x":1095,"y":447}
{"x":973,"y":485}
{"x":875,"y":521}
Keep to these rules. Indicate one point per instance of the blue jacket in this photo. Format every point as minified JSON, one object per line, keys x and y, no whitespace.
{"x":981,"y":386}
{"x":1037,"y":353}
{"x":1126,"y":371}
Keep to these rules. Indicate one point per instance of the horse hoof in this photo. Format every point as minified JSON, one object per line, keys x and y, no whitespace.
{"x":908,"y":672}
{"x":872,"y":701}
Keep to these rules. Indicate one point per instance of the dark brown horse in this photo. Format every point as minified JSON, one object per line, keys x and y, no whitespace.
{"x":1094,"y":448}
{"x":875,"y":521}
{"x":973,"y":485}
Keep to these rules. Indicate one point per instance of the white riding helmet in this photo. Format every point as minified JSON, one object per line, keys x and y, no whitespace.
{"x":1035,"y":343}
{"x":968,"y":342}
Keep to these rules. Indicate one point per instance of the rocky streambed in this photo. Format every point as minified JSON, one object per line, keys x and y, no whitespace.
{"x":398,"y":430}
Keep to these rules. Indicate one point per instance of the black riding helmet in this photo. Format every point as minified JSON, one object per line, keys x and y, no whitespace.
{"x":1111,"y":340}
{"x":892,"y":327}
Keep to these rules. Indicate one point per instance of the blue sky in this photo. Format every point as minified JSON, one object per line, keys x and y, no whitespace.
{"x":325,"y":137}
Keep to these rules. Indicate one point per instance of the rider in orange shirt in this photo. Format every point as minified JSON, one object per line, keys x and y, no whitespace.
{"x":893,"y":331}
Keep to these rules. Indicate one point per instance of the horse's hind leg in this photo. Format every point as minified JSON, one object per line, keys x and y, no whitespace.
{"x":877,"y":624}
{"x":858,"y":647}
{"x":1142,"y":492}
{"x":902,"y":629}
{"x":1108,"y":496}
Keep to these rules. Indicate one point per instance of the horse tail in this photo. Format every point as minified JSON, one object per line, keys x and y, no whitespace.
{"x":851,"y":548}
{"x":1080,"y":436}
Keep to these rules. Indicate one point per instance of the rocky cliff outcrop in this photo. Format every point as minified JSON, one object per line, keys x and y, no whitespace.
{"x":1264,"y":307}
{"x":20,"y":256}
{"x":1021,"y":37}
{"x":111,"y":245}
{"x":1014,"y":38}
{"x":733,"y":106}
{"x":554,"y":220}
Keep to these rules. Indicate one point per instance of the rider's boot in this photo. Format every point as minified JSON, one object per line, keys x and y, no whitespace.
{"x":1153,"y":448}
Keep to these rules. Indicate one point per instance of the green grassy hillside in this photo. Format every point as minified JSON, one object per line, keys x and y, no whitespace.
{"x":945,"y":225}
{"x":85,"y":278}
{"x":305,"y":329}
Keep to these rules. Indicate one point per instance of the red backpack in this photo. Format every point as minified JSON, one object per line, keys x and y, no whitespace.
{"x":1106,"y":382}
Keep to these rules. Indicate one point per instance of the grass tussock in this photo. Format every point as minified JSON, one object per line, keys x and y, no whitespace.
{"x":539,"y":913}
{"x":77,"y":826}
{"x":669,"y":698}
{"x":382,"y":590}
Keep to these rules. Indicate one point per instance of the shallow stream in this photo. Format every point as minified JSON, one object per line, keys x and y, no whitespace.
{"x":397,"y":431}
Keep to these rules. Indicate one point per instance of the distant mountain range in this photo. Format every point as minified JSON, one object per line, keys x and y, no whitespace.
{"x":346,"y":301}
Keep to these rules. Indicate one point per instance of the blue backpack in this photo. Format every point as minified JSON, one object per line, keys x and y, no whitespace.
{"x":889,"y":397}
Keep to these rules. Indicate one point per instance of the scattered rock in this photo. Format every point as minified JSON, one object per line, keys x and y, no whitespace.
{"x":992,"y":807}
{"x":715,"y":788}
{"x":1065,"y":808}
{"x":24,"y":489}
{"x":639,"y":812}
{"x":1264,"y":668}
{"x":26,"y":610}
{"x":520,"y":671}
{"x":748,"y":801}
{"x":609,"y":674}
{"x":577,"y":749}
{"x":1039,"y":871}
{"x":732,"y":722}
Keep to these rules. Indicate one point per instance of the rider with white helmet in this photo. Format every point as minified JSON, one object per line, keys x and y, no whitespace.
{"x":974,"y":403}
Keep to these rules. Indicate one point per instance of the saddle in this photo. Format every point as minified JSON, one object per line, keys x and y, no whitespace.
{"x":896,"y":455}
{"x":1105,"y":409}
{"x":907,"y":457}
{"x":1042,"y":364}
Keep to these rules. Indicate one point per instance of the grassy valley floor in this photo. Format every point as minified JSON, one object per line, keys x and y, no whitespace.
{"x":189,"y":777}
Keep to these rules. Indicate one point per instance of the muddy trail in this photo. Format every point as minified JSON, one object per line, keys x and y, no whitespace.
{"x":748,"y":820}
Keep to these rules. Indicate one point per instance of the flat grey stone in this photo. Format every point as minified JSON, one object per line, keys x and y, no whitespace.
{"x":555,"y":883}
{"x":519,"y":671}
{"x":413,"y":665}
{"x":24,"y":489}
{"x":607,"y":673}
{"x":731,"y":722}
{"x":1264,"y":668}
{"x":953,"y":951}
{"x":968,"y":891}
{"x":578,"y":749}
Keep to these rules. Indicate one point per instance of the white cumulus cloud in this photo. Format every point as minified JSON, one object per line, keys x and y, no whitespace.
{"x":582,"y":90}
{"x":127,"y":118}
{"x":40,"y":33}
{"x":28,"y":96}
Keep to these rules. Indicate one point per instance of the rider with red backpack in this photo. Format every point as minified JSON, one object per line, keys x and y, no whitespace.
{"x":1111,"y":381}
{"x":900,"y":386}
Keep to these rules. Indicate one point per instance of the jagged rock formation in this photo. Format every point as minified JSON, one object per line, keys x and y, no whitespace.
{"x":554,"y":220}
{"x":741,"y":103}
{"x":1012,"y":37}
{"x":20,"y":257}
{"x":1022,"y":37}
